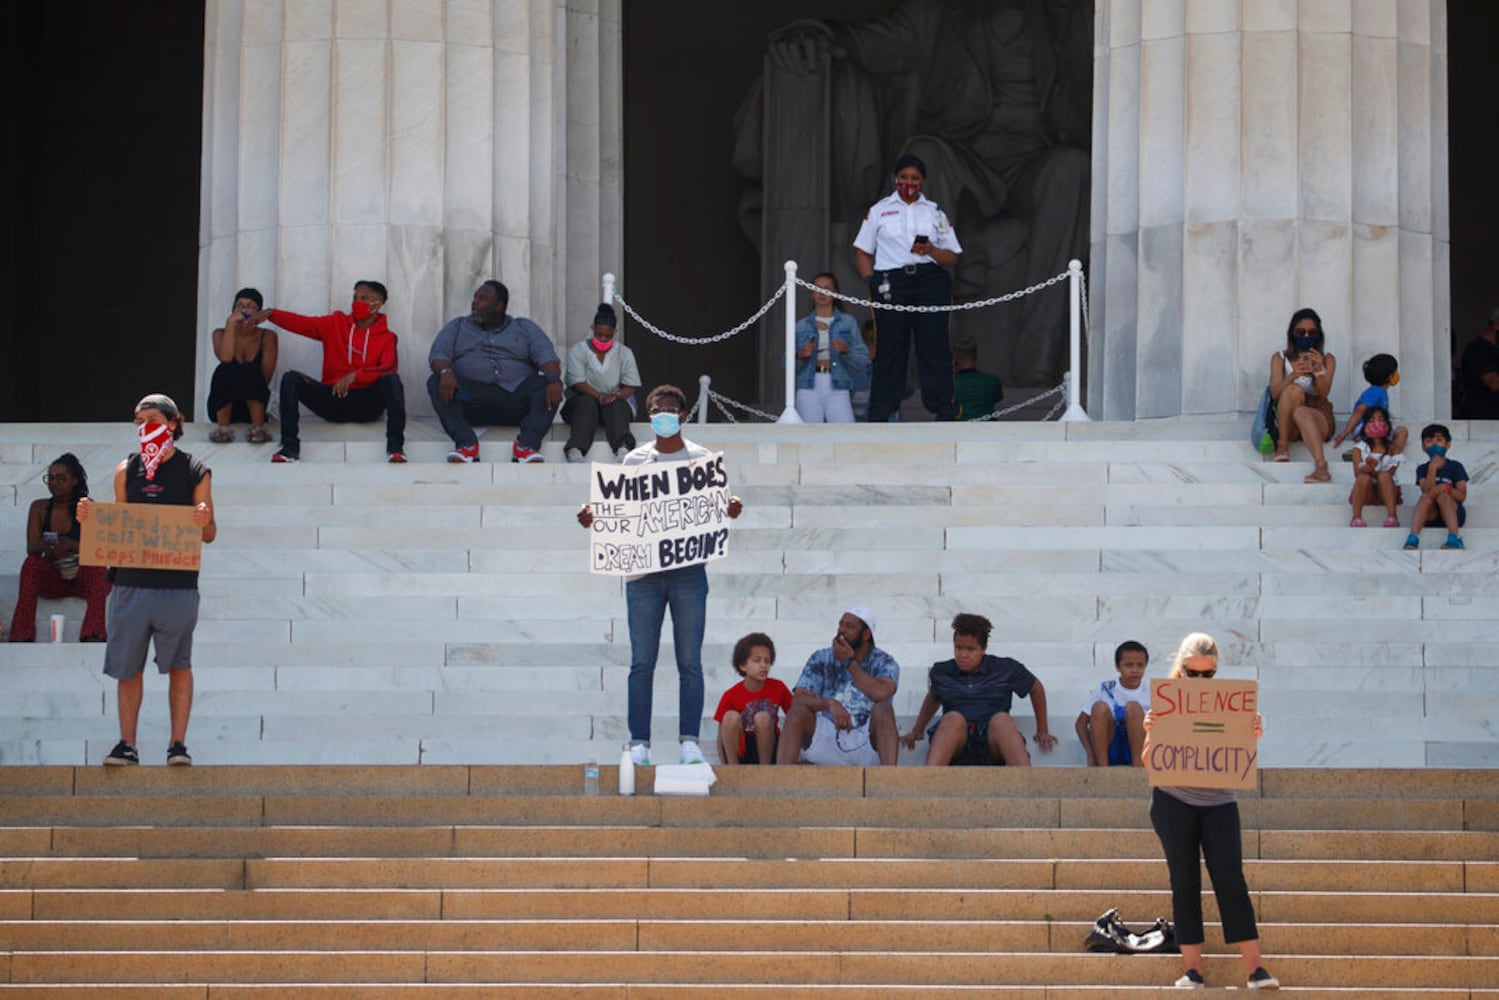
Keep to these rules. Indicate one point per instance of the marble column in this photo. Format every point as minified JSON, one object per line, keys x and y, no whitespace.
{"x":427,"y":144}
{"x":1251,"y":157}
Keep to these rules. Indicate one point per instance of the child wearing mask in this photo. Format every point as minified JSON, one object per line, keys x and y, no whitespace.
{"x":1375,"y":460}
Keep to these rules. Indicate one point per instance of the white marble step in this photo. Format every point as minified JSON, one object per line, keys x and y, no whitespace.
{"x":445,"y":608}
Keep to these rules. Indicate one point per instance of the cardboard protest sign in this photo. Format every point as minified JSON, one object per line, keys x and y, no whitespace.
{"x":141,"y":536}
{"x":1203,"y":732}
{"x":661,"y":516}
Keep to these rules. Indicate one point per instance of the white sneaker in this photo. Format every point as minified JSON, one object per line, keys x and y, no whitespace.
{"x":692,"y":753}
{"x":620,"y":453}
{"x":640,"y":754}
{"x":573,"y":455}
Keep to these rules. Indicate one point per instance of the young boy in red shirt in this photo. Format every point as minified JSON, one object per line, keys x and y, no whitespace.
{"x":749,"y":713}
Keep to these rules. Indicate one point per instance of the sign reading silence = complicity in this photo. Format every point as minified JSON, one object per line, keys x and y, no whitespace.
{"x":1202,"y":733}
{"x":141,"y":536}
{"x":648,"y":518}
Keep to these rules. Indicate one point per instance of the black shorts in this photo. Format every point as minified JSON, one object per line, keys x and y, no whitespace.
{"x":751,"y":754}
{"x":975,"y":752}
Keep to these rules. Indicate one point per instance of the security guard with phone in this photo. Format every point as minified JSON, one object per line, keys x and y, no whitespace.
{"x":903,"y":250}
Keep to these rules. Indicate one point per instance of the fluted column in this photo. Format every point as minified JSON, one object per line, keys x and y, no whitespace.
{"x":1254,"y":156}
{"x":428,"y":144}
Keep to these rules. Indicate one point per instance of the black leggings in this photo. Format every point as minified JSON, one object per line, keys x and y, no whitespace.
{"x":1184,"y":829}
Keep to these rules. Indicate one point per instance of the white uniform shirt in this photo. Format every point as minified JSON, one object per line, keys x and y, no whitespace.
{"x":891,"y":226}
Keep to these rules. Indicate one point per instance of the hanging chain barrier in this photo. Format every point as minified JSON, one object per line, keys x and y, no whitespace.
{"x":951,"y":307}
{"x":700,"y":341}
{"x":724,"y":402}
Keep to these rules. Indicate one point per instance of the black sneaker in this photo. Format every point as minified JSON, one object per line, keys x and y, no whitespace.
{"x":177,"y":755}
{"x":1259,"y":979}
{"x":122,"y":755}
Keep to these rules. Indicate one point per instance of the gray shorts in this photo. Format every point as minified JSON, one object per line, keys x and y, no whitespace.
{"x":139,"y":614}
{"x":831,"y":745}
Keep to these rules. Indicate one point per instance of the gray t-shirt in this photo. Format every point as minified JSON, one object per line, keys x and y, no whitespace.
{"x":647,"y":454}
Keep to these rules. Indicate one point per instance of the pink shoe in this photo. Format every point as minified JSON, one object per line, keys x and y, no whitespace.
{"x":1392,"y":521}
{"x":1358,"y":522}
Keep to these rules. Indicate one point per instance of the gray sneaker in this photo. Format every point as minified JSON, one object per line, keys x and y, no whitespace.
{"x":573,"y":455}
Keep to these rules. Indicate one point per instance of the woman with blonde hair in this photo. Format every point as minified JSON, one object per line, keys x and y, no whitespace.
{"x":1205,"y":821}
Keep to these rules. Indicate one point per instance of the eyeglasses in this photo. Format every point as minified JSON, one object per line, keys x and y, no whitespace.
{"x":1199,"y":673}
{"x":55,"y":477}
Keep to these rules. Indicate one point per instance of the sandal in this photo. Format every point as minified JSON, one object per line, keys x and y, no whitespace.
{"x":1319,"y":474}
{"x":1282,"y":452}
{"x":221,"y":435}
{"x":1392,"y":521}
{"x":1358,"y":522}
{"x":258,"y":435}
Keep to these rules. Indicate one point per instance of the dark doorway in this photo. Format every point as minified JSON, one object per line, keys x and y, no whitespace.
{"x":687,"y":67}
{"x":1472,"y":149}
{"x":99,"y":257}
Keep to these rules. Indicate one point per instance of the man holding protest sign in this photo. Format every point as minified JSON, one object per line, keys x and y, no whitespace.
{"x":159,"y":605}
{"x":1194,"y":719}
{"x":678,"y":578}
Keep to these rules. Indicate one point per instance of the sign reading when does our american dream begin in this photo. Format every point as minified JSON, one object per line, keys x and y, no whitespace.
{"x":141,"y":536}
{"x":1202,"y":733}
{"x":661,"y":516}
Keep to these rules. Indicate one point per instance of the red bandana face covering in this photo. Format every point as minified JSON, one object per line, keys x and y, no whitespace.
{"x":907,"y":192}
{"x":156,"y":440}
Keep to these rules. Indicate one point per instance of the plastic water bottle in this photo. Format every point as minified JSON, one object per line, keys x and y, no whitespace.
{"x":626,"y":772}
{"x":591,"y":777}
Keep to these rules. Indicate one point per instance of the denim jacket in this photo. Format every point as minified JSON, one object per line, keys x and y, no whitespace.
{"x":844,"y":365}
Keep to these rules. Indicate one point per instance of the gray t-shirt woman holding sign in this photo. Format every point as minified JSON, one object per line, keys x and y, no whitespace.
{"x":1192,"y":821}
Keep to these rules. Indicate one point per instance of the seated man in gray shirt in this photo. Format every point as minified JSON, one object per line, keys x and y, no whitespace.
{"x":491,"y":368}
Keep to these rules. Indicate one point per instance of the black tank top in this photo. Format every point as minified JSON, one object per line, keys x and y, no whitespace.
{"x":76,"y":531}
{"x":176,"y":478}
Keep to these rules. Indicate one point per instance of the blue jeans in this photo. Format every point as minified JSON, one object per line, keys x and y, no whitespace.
{"x":685,"y":591}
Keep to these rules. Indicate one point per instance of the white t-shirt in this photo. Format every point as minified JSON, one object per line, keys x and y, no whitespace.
{"x":1113,"y":693}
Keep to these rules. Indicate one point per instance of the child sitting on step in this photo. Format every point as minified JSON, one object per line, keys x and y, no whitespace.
{"x":1111,"y":725}
{"x":749,"y":713}
{"x":1375,"y":459}
{"x":1443,"y":483}
{"x":1382,"y":372}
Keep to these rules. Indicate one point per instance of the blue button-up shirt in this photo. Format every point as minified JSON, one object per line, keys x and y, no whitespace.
{"x":505,"y":357}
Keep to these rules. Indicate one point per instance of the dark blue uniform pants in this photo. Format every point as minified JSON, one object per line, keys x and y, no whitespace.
{"x":929,"y":285}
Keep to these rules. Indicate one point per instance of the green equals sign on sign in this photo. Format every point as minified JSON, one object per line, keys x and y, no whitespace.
{"x":1207,"y":727}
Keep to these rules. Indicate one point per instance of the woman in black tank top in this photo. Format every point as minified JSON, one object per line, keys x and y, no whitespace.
{"x":51,"y":569}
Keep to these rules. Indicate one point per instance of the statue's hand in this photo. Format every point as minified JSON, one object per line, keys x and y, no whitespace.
{"x":800,"y":47}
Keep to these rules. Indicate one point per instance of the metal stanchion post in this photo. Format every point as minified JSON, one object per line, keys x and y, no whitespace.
{"x":703,"y":382}
{"x":1075,"y":376}
{"x":789,"y":414}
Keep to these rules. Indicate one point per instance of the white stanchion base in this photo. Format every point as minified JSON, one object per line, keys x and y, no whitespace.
{"x":789,"y":416}
{"x":1074,"y":412}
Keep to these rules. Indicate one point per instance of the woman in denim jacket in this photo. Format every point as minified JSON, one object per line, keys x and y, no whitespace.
{"x":828,"y":350}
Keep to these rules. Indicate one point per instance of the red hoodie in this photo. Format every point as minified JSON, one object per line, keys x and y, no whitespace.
{"x":369,"y":353}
